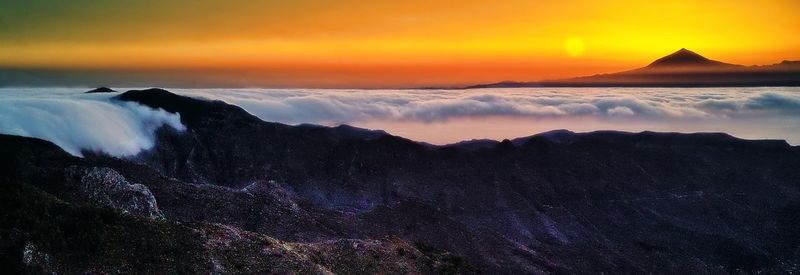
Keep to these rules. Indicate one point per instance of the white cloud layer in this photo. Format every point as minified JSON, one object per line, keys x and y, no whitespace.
{"x":77,"y":122}
{"x":347,"y":106}
{"x":772,"y":113}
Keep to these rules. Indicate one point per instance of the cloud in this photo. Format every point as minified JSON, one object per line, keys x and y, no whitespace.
{"x":767,"y":103}
{"x":774,"y":102}
{"x":83,"y":122}
{"x":428,"y":106}
{"x":620,"y":111}
{"x":445,"y":116}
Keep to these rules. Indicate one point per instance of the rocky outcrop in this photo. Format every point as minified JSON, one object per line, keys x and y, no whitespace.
{"x":42,"y":234}
{"x":386,"y":256}
{"x":104,"y":187}
{"x":36,"y":260}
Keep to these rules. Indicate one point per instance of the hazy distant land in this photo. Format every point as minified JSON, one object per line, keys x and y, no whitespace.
{"x":683,"y":68}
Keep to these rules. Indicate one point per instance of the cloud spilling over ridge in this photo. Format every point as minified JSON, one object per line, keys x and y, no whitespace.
{"x":446,"y":116}
{"x":77,"y":122}
{"x":347,"y":106}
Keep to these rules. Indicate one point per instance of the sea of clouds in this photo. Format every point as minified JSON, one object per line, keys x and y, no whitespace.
{"x":446,"y":116}
{"x":429,"y":106}
{"x":77,"y":121}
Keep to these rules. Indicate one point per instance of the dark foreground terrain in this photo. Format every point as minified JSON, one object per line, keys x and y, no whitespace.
{"x":234,"y":194}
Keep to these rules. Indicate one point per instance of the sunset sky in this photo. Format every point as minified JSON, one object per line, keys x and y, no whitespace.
{"x":385,"y":43}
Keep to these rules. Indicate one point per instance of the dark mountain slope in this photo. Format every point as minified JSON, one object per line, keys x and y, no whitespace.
{"x":558,"y":202}
{"x":51,"y":225}
{"x":101,"y":90}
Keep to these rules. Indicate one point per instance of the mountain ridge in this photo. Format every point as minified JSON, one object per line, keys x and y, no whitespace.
{"x":684,"y":57}
{"x":683,"y":68}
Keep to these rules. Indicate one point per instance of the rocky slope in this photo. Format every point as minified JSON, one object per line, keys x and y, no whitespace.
{"x":345,"y":200}
{"x":65,"y":215}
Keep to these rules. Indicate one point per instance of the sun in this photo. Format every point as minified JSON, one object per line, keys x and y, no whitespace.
{"x":574,"y":46}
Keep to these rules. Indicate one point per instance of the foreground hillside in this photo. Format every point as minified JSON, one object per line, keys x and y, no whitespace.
{"x":237,"y":194}
{"x":64,"y":215}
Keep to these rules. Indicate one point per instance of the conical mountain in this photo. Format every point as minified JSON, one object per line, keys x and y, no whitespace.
{"x":683,"y":68}
{"x":685,"y":58}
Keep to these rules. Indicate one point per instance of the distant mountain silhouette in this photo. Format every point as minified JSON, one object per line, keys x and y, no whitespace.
{"x":684,"y":57}
{"x":101,"y":90}
{"x":683,"y":68}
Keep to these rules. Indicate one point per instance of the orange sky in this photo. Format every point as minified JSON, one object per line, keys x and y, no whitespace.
{"x":389,"y":43}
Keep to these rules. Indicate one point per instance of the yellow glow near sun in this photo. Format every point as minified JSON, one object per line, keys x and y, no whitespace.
{"x":574,"y":46}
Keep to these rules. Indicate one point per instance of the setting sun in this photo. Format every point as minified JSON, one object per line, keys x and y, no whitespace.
{"x":574,"y":46}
